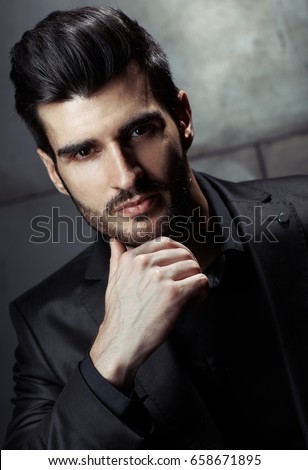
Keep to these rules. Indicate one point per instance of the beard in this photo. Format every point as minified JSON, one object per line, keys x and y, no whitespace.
{"x":173,"y":200}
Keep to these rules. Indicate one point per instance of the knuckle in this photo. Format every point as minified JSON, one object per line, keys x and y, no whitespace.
{"x":195,"y":265}
{"x":168,"y":242}
{"x":141,"y":261}
{"x":202,"y":281}
{"x":157,"y":274}
{"x":184,"y":253}
{"x":165,"y":239}
{"x":191,"y":267}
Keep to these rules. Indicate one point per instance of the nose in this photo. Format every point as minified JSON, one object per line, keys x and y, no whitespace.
{"x":125,"y":169}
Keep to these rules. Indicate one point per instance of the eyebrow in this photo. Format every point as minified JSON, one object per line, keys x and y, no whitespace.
{"x":140,"y":120}
{"x":74,"y":148}
{"x":137,"y":121}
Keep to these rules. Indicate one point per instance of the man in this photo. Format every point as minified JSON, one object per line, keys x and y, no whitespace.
{"x":185,"y":325}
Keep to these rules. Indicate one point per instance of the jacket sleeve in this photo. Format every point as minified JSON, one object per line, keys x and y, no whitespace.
{"x":54,"y":414}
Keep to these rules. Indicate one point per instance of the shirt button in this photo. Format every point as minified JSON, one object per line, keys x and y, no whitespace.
{"x":283,"y":218}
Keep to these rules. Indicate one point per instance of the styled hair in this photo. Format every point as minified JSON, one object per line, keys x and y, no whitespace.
{"x":75,"y":53}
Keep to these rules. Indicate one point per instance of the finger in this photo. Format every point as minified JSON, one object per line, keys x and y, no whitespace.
{"x":170,"y":256}
{"x":160,"y":243}
{"x":117,"y":250}
{"x":196,"y":286}
{"x":180,"y":270}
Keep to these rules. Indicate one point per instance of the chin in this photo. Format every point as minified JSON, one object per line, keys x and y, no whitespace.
{"x":144,"y":230}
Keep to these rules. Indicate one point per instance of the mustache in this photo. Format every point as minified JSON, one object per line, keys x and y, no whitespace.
{"x":143,"y":186}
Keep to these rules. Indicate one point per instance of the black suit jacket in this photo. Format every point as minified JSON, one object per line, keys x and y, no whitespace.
{"x":57,"y":321}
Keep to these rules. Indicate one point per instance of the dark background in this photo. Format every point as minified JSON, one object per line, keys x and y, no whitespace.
{"x":244,"y":64}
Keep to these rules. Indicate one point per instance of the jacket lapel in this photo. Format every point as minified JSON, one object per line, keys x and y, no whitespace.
{"x":92,"y":297}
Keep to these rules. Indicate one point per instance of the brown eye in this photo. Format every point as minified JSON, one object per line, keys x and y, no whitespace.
{"x":141,"y":130}
{"x":83,"y":153}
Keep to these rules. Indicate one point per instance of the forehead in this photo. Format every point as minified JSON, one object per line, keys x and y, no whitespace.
{"x":120,"y":99}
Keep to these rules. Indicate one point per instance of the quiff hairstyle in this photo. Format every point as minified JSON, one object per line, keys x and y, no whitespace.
{"x":75,"y":53}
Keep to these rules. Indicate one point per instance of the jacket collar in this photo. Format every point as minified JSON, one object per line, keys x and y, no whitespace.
{"x":229,"y":190}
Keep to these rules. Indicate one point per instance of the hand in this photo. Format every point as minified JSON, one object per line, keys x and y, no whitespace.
{"x":147,"y":289}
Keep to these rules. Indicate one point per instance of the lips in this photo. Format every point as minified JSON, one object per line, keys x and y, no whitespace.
{"x":137,"y":206}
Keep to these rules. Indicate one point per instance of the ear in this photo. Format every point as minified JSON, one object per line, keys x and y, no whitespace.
{"x":52,"y":171}
{"x":185,"y":119}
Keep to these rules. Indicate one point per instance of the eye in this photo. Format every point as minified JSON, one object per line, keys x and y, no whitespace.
{"x":83,"y":153}
{"x":144,"y":129}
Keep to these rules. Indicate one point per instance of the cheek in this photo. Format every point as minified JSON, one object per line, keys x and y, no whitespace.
{"x":86,"y":182}
{"x":158,"y":159}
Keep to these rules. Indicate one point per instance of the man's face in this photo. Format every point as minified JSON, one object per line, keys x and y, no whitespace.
{"x":120,"y":157}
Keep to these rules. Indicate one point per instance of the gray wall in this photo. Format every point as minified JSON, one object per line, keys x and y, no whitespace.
{"x":244,"y":64}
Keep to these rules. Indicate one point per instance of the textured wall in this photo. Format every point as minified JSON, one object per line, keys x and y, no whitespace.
{"x":244,"y":64}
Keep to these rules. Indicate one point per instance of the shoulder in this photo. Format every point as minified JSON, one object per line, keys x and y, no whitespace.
{"x":290,"y":191}
{"x":63,"y":283}
{"x":295,"y":187}
{"x":54,"y":328}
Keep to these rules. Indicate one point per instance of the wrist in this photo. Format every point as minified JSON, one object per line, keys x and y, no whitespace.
{"x":117,"y":372}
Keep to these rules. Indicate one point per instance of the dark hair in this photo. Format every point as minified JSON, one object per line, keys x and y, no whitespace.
{"x":76,"y":52}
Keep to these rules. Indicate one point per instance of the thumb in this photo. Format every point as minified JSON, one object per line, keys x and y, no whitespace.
{"x":117,"y":250}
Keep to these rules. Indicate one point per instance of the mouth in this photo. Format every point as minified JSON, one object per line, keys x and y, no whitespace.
{"x":137,"y":206}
